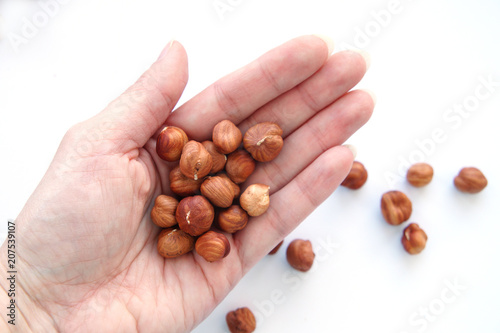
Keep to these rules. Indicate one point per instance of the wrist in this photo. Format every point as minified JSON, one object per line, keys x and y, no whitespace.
{"x":20,"y":313}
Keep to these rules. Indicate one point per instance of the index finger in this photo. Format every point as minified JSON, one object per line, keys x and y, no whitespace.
{"x":237,"y":95}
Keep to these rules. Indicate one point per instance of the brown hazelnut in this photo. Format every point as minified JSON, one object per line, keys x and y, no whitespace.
{"x":236,"y":188}
{"x":300,"y":255}
{"x":163,"y":212}
{"x":212,"y":246}
{"x":182,"y":185}
{"x":170,"y":143}
{"x":232,"y":219}
{"x":276,"y":248}
{"x":226,"y":136}
{"x":356,"y":177}
{"x":239,"y":166}
{"x":396,"y":207}
{"x":173,"y":242}
{"x":470,"y":180}
{"x":241,"y":320}
{"x":218,"y":159}
{"x":195,"y":215}
{"x":414,"y":239}
{"x":218,"y":190}
{"x":255,"y":199}
{"x":195,"y":161}
{"x":420,"y":174}
{"x":263,"y":141}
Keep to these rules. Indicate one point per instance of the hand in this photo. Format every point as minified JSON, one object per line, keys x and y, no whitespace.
{"x":86,"y":245}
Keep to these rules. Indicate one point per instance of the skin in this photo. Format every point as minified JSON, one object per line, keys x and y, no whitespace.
{"x":86,"y":247}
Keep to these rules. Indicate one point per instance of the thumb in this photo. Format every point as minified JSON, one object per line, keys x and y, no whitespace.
{"x":131,"y":119}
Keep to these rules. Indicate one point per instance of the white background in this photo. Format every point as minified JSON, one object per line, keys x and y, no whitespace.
{"x":428,"y":56}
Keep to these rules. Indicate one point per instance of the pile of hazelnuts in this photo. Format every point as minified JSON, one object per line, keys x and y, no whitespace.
{"x":396,"y":207}
{"x":206,"y":187}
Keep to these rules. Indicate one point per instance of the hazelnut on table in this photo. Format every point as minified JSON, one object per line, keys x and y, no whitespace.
{"x":414,"y":239}
{"x":357,"y":177}
{"x":241,"y":320}
{"x":396,"y":207}
{"x":300,"y":255}
{"x":470,"y":180}
{"x":419,"y":174}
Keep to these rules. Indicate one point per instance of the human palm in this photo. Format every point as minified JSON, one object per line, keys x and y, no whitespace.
{"x":88,"y":254}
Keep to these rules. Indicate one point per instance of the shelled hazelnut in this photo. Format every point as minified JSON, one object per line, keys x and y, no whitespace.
{"x":182,"y":185}
{"x":241,"y":320}
{"x":226,"y":136}
{"x":218,"y":190}
{"x":170,"y":143}
{"x":356,"y":177}
{"x":173,"y":242}
{"x":232,"y":219}
{"x":414,"y":239}
{"x":239,"y":166}
{"x":396,"y":207}
{"x":300,"y":255}
{"x":420,"y":174}
{"x":196,"y":161}
{"x":195,"y":215}
{"x":212,"y":246}
{"x":263,"y":141}
{"x":163,"y":212}
{"x":470,"y":180}
{"x":255,"y":199}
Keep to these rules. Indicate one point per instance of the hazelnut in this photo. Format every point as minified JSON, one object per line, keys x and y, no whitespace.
{"x":300,"y":255}
{"x":212,"y":246}
{"x":255,"y":199}
{"x":239,"y":166}
{"x":276,"y":248}
{"x":218,"y":159}
{"x":419,"y":174}
{"x":218,"y":190}
{"x":232,"y":219}
{"x":182,"y":185}
{"x":236,"y":188}
{"x":356,"y":177}
{"x":173,"y":242}
{"x":241,"y":320}
{"x":163,"y":212}
{"x":195,"y":215}
{"x":263,"y":141}
{"x":170,"y":143}
{"x":470,"y":180}
{"x":195,"y":161}
{"x":396,"y":207}
{"x":414,"y":239}
{"x":226,"y":136}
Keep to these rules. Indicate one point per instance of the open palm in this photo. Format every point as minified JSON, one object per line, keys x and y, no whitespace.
{"x":88,"y":252}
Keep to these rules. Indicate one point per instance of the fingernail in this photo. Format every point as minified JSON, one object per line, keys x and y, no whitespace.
{"x":166,"y":49}
{"x":365,"y":55}
{"x":353,"y":149}
{"x":328,"y":41}
{"x":372,"y":95}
